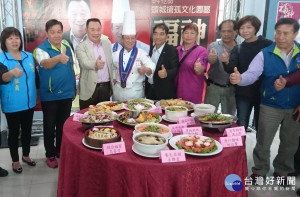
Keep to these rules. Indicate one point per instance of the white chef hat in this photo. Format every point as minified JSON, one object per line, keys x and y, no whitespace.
{"x":129,"y":23}
{"x":118,"y":10}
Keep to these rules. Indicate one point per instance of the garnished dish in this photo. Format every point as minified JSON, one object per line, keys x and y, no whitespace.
{"x":141,"y":100}
{"x":153,"y":128}
{"x":215,"y":118}
{"x":99,"y":109}
{"x":178,"y":102}
{"x":97,"y":136}
{"x":113,"y":105}
{"x":143,"y":116}
{"x":97,"y":118}
{"x":196,"y":145}
{"x":138,"y":106}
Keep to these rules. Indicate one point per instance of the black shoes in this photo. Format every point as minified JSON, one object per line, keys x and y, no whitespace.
{"x":17,"y":170}
{"x":30,"y":163}
{"x":3,"y":172}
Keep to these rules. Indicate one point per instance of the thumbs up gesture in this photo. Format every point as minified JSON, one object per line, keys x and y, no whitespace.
{"x":63,"y":58}
{"x":212,"y":56}
{"x":280,"y":83}
{"x":198,"y":67}
{"x":224,"y":57}
{"x":100,"y":63}
{"x":235,"y":77}
{"x":163,"y":72}
{"x":17,"y":72}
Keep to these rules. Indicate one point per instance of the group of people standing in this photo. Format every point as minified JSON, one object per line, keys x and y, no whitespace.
{"x":165,"y":72}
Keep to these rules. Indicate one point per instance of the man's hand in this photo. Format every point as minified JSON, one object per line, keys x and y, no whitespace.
{"x":280,"y":83}
{"x":142,"y":69}
{"x":63,"y":58}
{"x":16,"y":71}
{"x":297,"y":111}
{"x":212,"y":56}
{"x":100,"y":63}
{"x":235,"y":77}
{"x":163,"y":72}
{"x":224,"y":57}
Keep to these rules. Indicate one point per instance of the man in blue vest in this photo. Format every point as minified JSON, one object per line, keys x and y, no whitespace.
{"x":280,"y":58}
{"x":57,"y":87}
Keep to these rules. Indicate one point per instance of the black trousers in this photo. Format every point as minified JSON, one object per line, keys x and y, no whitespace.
{"x":55,"y":114}
{"x":16,"y":120}
{"x":102,"y":93}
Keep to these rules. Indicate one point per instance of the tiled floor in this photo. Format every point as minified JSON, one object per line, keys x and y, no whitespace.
{"x":42,"y":181}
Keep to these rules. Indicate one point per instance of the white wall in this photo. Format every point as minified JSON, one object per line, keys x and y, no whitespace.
{"x":257,"y":8}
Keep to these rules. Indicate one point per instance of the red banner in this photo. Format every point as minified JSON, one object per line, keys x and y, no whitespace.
{"x":175,"y":13}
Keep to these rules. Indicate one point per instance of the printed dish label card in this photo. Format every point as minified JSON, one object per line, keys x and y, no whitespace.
{"x":187,"y":120}
{"x":177,"y":128}
{"x":235,"y":131}
{"x":113,"y":148}
{"x":77,"y":116}
{"x":192,"y":131}
{"x":231,"y":141}
{"x":168,"y":156}
{"x":156,"y":110}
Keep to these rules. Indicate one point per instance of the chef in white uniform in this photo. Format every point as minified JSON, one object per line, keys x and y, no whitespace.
{"x":130,"y":64}
{"x":119,"y":7}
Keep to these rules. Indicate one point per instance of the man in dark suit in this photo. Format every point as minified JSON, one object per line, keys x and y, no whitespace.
{"x":165,"y":56}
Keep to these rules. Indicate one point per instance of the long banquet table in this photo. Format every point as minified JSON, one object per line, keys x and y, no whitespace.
{"x":88,"y":173}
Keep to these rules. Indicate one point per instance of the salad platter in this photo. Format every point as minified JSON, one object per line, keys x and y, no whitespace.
{"x":138,"y":106}
{"x":196,"y":145}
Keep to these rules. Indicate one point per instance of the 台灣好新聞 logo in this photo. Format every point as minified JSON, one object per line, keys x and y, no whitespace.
{"x":233,"y":183}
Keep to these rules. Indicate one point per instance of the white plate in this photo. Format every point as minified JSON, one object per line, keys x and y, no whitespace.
{"x":127,"y":108}
{"x":165,"y":118}
{"x":144,"y":154}
{"x":175,"y":139}
{"x":92,"y":147}
{"x":158,"y":104}
{"x":169,"y":137}
{"x":133,"y":124}
{"x":86,"y":145}
{"x":144,"y":101}
{"x":104,"y":102}
{"x":87,"y":113}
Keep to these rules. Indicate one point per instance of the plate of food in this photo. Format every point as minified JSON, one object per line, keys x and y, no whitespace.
{"x":196,"y":145}
{"x":98,"y":109}
{"x":175,"y":102}
{"x":141,"y":100}
{"x":127,"y":118}
{"x":138,"y":106}
{"x":97,"y":119}
{"x":95,"y":137}
{"x":215,"y":119}
{"x":113,"y":105}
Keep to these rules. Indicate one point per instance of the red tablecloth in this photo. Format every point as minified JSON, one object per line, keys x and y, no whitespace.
{"x":88,"y":173}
